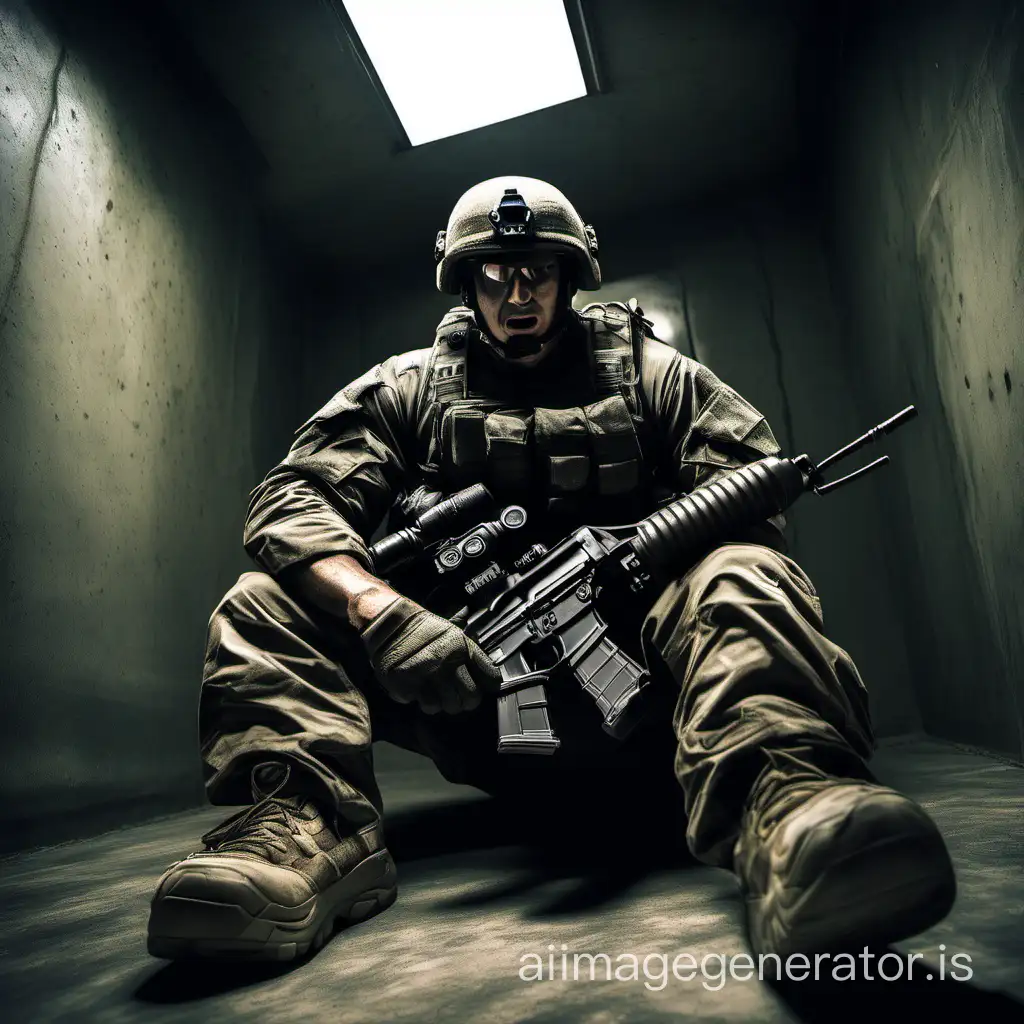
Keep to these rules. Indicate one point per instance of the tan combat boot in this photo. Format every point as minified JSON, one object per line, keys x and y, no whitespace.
{"x":831,"y":865}
{"x":272,"y":881}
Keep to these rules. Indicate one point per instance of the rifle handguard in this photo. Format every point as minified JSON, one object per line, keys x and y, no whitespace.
{"x":671,"y":537}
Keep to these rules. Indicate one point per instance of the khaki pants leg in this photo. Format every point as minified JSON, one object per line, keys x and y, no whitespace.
{"x":284,"y":681}
{"x":741,"y":638}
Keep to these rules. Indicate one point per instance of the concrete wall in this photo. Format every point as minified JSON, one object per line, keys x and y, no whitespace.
{"x":928,"y":234}
{"x":141,"y":400}
{"x":744,"y":287}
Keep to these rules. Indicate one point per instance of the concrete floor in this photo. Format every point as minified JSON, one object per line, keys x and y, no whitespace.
{"x":73,"y":923}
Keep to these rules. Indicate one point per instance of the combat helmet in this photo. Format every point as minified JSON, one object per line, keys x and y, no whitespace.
{"x":504,"y":215}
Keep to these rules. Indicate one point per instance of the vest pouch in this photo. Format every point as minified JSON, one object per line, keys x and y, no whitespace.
{"x":463,"y":446}
{"x":509,"y":462}
{"x":615,"y":446}
{"x":563,"y":442}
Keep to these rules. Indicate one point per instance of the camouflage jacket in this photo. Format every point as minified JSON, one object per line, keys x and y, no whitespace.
{"x":372,"y":444}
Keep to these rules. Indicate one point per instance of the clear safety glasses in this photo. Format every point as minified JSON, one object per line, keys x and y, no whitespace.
{"x":502,"y":273}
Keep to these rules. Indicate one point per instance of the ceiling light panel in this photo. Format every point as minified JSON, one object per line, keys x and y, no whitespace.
{"x":449,"y":66}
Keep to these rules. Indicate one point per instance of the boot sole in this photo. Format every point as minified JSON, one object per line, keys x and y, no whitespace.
{"x":881,"y":892}
{"x":185,"y":929}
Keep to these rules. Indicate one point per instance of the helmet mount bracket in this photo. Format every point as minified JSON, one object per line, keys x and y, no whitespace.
{"x":512,"y":219}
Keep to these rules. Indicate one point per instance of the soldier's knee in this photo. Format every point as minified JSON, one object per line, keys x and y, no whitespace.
{"x":755,"y":570}
{"x":252,"y":590}
{"x":731,"y":560}
{"x":683,"y":597}
{"x":720,"y":577}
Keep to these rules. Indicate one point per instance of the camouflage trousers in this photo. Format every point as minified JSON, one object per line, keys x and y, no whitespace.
{"x":739,"y":662}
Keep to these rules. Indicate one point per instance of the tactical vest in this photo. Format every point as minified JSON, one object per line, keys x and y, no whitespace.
{"x":571,"y":454}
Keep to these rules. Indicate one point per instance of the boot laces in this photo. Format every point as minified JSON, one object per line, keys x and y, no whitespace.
{"x":268,"y":823}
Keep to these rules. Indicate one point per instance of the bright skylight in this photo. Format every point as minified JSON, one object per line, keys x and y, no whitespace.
{"x":453,"y":65}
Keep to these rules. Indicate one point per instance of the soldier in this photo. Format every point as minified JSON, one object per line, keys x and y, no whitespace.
{"x":582,"y":417}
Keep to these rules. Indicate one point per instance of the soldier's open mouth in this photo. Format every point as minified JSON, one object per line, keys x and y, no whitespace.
{"x":520,"y":323}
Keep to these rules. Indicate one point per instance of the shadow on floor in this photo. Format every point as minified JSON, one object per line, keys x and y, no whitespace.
{"x":572,"y":833}
{"x":607,"y":858}
{"x":186,"y":981}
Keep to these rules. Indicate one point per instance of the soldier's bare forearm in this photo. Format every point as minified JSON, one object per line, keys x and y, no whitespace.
{"x":341,"y":586}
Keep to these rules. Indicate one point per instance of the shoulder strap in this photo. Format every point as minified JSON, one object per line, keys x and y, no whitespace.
{"x":617,"y":331}
{"x":445,"y":378}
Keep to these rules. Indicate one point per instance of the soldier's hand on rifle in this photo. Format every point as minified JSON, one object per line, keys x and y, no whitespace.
{"x":423,"y":658}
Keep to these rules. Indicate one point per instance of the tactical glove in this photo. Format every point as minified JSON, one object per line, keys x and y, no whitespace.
{"x":422,"y":657}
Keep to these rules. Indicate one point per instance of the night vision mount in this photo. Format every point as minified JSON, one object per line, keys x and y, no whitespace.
{"x":512,"y":218}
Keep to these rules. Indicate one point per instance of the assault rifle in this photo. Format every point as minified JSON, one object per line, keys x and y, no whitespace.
{"x":537,"y":618}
